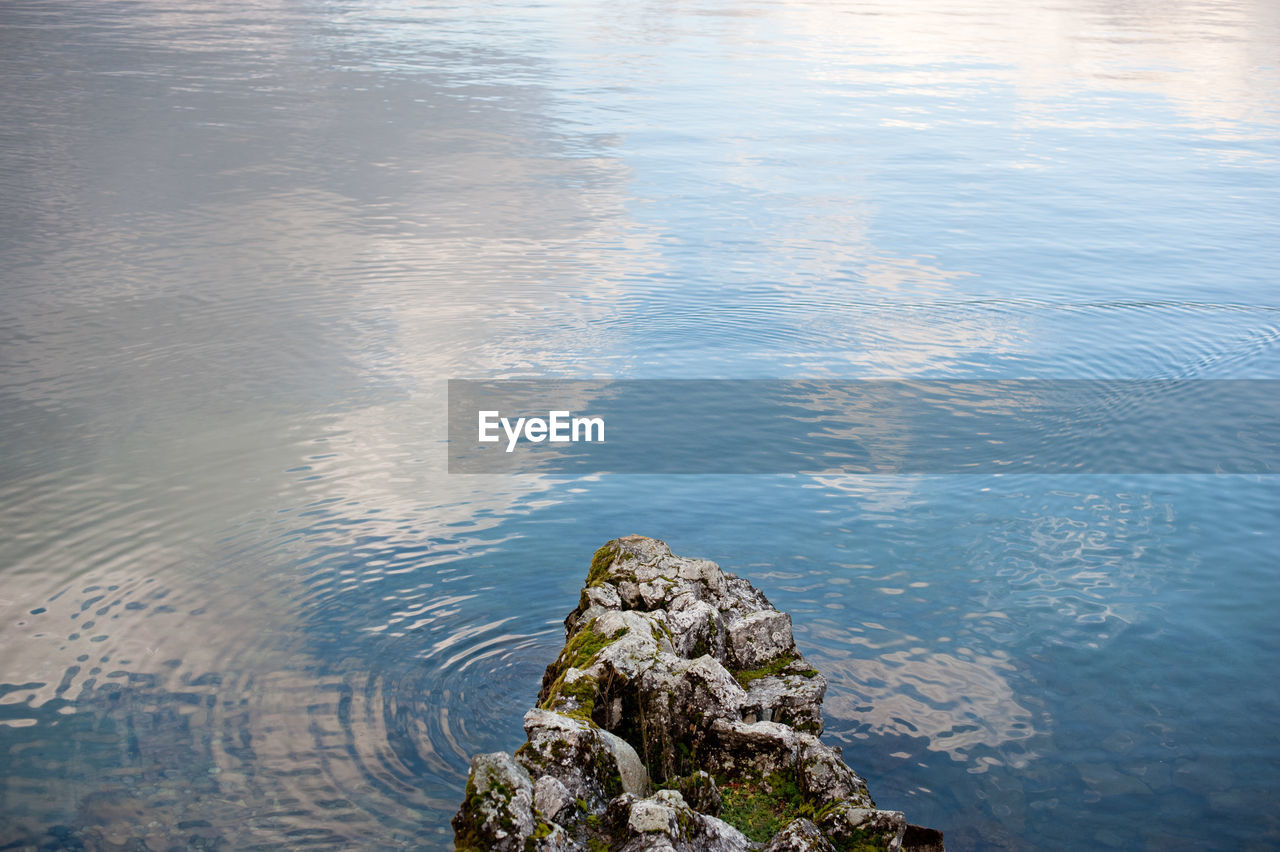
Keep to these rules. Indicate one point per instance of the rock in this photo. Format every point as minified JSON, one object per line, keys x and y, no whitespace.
{"x":918,"y":839}
{"x":573,"y":752}
{"x":550,"y":797}
{"x":549,"y":837}
{"x":799,"y":835}
{"x":498,"y":812}
{"x":824,"y":775}
{"x":678,"y":676}
{"x":665,"y":821}
{"x":700,"y":791}
{"x":631,"y":772}
{"x":847,"y":825}
{"x":758,"y":638}
{"x":791,"y":699}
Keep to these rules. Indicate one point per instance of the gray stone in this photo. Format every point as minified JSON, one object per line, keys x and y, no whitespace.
{"x":677,"y":674}
{"x":792,"y":699}
{"x":631,"y":771}
{"x":754,"y":749}
{"x":799,"y":835}
{"x":574,"y":753}
{"x":550,"y":797}
{"x":647,"y":816}
{"x":665,"y":821}
{"x":847,"y":824}
{"x":498,"y":812}
{"x":825,"y":777}
{"x":759,"y":637}
{"x":699,"y":629}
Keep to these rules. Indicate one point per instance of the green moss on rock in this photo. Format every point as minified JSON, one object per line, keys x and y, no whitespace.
{"x":861,"y":840}
{"x":542,"y":830}
{"x":760,"y":808}
{"x":578,"y":653}
{"x":582,"y":691}
{"x":600,"y":564}
{"x":772,"y":669}
{"x":468,"y":830}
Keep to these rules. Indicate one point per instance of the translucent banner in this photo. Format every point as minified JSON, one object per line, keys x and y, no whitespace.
{"x":874,"y":427}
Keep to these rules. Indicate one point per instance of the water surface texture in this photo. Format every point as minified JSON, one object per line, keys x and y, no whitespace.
{"x":243,"y":246}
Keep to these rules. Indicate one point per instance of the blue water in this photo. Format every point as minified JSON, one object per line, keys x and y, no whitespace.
{"x":243,"y":247}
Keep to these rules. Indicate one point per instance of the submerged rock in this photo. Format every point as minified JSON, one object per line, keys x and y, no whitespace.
{"x":678,"y":716}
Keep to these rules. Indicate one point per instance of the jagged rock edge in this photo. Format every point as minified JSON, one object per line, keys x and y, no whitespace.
{"x":678,"y":715}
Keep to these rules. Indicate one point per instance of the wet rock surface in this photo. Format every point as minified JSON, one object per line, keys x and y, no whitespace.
{"x":678,"y":716}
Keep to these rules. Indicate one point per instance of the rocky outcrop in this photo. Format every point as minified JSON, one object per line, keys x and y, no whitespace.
{"x":678,"y":716}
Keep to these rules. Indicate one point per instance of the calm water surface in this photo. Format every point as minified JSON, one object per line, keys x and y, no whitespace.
{"x":243,"y":245}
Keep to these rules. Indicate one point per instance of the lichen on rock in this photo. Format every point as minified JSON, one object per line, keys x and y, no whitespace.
{"x":678,"y":716}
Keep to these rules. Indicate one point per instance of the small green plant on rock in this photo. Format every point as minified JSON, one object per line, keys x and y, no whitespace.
{"x":760,"y":808}
{"x":600,"y":563}
{"x":772,"y":669}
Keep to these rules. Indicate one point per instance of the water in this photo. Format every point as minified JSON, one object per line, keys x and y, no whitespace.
{"x":245,"y":245}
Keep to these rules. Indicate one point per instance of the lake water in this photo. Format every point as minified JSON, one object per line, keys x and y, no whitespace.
{"x":243,"y":246}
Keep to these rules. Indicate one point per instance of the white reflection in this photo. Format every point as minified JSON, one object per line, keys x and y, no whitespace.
{"x":957,"y":703}
{"x":1213,"y":61}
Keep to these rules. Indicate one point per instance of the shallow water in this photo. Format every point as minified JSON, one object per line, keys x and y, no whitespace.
{"x":245,"y":245}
